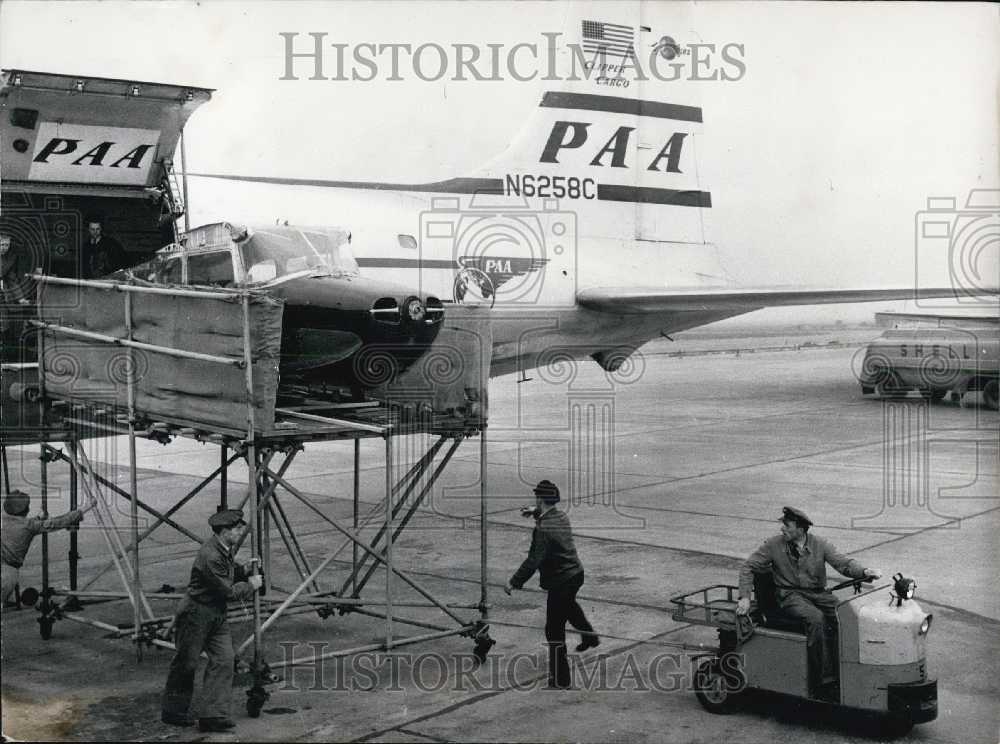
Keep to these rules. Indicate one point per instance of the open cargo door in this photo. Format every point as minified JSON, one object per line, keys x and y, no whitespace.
{"x":76,"y":151}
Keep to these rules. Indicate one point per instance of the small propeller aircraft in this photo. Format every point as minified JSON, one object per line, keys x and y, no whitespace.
{"x":331,"y":310}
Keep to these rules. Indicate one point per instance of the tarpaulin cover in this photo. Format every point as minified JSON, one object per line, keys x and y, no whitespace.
{"x":169,"y":388}
{"x":20,"y":414}
{"x":452,"y":375}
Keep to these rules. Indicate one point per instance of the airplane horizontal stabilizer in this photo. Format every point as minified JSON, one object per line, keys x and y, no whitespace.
{"x":644,"y":300}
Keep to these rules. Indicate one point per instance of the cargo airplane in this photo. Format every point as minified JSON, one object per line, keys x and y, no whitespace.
{"x":586,"y":238}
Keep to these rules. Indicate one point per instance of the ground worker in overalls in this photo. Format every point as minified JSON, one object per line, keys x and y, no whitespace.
{"x":201,"y":625}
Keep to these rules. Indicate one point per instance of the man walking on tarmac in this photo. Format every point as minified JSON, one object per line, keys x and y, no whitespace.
{"x":560,"y":572}
{"x":798,"y":561}
{"x":201,"y":625}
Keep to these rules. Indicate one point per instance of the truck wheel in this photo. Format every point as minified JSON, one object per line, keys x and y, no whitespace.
{"x":890,"y":386}
{"x":714,"y":690}
{"x":934,"y":394}
{"x":990,"y":394}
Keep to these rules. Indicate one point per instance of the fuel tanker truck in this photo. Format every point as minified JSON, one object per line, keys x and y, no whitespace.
{"x":932,"y":362}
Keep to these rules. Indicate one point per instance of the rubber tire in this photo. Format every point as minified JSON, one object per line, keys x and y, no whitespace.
{"x":482,"y":648}
{"x":890,"y":387}
{"x":254,"y":708}
{"x":895,"y":726}
{"x":934,"y":394}
{"x":710,"y":689}
{"x":990,"y":394}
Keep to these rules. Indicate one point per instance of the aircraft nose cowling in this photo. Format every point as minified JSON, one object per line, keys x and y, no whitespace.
{"x":411,"y":314}
{"x":391,"y":322}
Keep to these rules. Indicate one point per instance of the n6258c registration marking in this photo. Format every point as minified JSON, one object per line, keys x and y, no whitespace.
{"x":558,"y":187}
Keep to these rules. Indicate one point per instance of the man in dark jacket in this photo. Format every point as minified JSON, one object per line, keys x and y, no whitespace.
{"x":201,"y":625}
{"x":101,"y":253}
{"x":18,"y":530}
{"x":798,"y":561}
{"x":560,"y":573}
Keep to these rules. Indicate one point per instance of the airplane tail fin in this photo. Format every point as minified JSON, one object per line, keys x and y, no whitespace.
{"x":616,"y":136}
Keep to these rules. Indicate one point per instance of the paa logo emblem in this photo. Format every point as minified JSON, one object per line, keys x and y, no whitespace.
{"x":479,"y":277}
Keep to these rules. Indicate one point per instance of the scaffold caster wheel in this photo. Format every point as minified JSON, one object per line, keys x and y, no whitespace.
{"x":483,"y":646}
{"x":29,"y":597}
{"x":72,"y":604}
{"x":45,"y":627}
{"x":256,"y":697}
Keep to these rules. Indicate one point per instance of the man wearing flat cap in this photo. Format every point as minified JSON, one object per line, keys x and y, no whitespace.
{"x":798,"y":561}
{"x":201,"y":625}
{"x":18,"y":530}
{"x":560,"y":573}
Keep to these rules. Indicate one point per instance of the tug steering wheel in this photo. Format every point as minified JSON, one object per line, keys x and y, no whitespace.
{"x":852,"y":582}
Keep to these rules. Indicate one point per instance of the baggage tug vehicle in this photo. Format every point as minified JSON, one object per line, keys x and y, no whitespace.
{"x":881,"y":651}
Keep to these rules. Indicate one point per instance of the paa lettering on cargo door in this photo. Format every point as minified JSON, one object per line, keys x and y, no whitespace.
{"x":78,"y":153}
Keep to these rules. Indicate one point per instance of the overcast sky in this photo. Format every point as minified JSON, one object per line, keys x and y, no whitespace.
{"x":848,"y":116}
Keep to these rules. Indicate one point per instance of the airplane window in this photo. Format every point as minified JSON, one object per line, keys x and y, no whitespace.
{"x":262,"y":271}
{"x":215,"y":269}
{"x":346,"y":259}
{"x":299,"y":263}
{"x":292,"y":250}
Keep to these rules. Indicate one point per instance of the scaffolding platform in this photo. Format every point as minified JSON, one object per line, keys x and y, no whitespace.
{"x":303,"y":419}
{"x":97,"y":386}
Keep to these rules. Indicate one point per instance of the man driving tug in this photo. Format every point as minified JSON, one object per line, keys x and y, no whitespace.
{"x":797,"y":560}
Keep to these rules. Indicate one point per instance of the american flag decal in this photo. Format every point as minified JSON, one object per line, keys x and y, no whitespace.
{"x":603,"y":37}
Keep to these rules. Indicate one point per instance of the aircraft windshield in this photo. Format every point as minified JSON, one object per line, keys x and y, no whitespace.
{"x":271,"y":253}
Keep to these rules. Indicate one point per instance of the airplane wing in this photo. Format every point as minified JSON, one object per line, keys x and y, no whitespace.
{"x":643,"y":300}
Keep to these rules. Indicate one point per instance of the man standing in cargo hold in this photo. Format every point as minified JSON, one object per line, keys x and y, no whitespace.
{"x":798,"y":561}
{"x":560,"y":573}
{"x":201,"y":625}
{"x":101,"y":254}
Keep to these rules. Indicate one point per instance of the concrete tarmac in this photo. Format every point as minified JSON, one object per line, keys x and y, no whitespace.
{"x":671,"y":474}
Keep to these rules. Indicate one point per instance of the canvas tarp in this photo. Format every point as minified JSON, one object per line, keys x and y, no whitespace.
{"x":168,"y":388}
{"x":452,"y":376}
